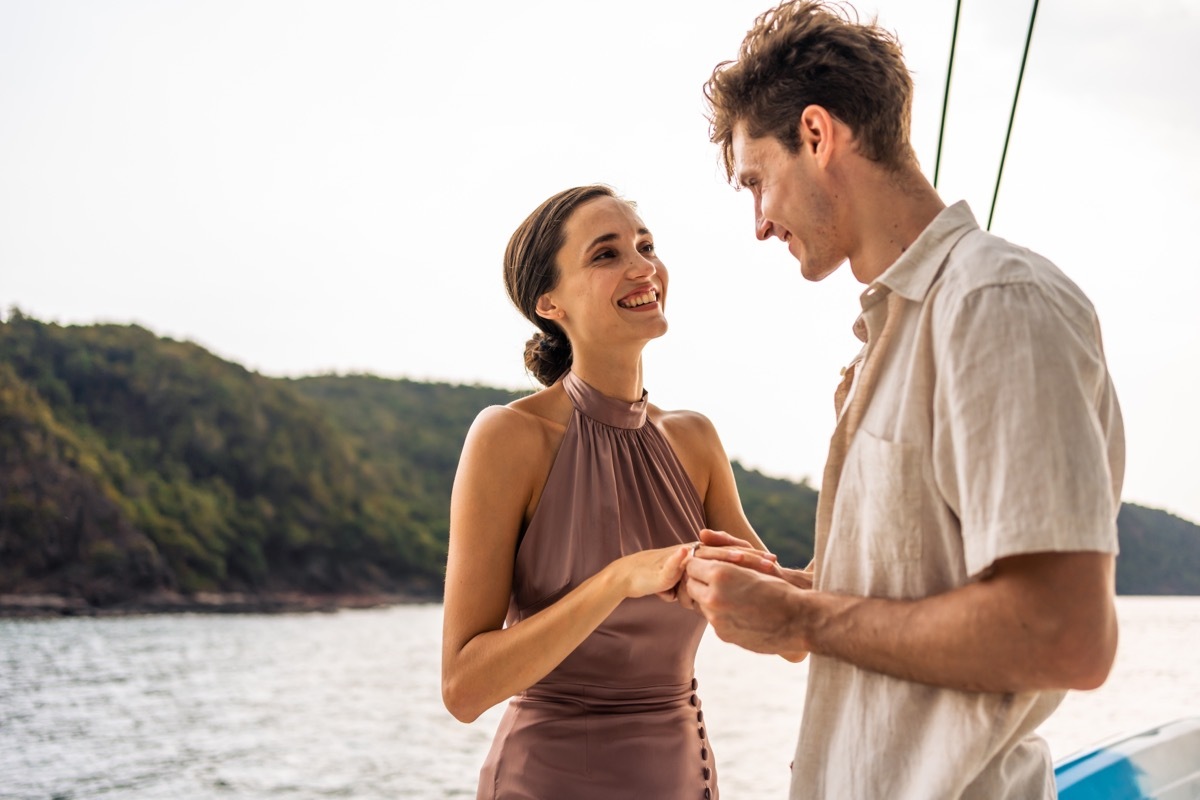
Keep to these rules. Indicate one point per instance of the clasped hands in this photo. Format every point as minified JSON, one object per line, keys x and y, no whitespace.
{"x":744,"y":593}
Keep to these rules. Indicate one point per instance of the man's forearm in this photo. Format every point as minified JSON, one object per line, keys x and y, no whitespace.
{"x":1041,"y":622}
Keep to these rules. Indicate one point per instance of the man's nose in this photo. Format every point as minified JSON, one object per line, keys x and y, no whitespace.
{"x":762,"y":228}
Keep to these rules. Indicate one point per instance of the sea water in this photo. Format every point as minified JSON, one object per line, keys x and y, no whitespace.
{"x":348,"y":705}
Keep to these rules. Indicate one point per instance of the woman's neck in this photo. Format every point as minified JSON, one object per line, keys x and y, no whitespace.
{"x":613,"y":374}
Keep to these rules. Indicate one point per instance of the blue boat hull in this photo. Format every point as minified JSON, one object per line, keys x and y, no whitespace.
{"x":1159,"y":764}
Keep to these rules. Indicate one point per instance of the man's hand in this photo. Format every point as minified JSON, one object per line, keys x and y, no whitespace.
{"x":723,"y":546}
{"x":747,"y":608}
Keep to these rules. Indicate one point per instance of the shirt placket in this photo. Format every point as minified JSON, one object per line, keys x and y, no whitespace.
{"x":858,"y":384}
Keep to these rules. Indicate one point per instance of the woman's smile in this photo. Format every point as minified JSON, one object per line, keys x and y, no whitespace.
{"x":640,"y":300}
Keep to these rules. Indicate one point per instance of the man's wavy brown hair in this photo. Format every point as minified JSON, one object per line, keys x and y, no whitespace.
{"x":804,"y":53}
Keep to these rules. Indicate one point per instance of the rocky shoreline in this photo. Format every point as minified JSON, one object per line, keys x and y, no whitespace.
{"x":50,"y":605}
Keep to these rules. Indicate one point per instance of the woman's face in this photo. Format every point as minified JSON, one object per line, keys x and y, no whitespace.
{"x":611,"y":286}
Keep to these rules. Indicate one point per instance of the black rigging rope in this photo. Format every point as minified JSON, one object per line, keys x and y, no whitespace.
{"x":937,"y":164}
{"x":1012,"y":114}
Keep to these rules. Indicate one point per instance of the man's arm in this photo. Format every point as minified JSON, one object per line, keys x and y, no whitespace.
{"x":1036,"y":621}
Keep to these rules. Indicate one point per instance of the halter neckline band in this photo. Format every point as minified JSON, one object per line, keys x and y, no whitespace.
{"x":591,"y":402}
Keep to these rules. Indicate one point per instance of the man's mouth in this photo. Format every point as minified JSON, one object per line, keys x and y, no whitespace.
{"x":639,"y":299}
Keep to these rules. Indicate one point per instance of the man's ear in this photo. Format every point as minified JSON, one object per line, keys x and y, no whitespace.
{"x":546,"y":308}
{"x":816,"y":132}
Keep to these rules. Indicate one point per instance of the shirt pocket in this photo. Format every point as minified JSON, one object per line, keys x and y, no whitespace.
{"x":877,"y":513}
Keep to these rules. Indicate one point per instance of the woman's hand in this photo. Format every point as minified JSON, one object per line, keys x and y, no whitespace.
{"x":722,"y":546}
{"x":800,"y":578}
{"x":651,"y":571}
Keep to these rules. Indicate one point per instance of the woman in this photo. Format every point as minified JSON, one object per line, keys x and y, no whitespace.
{"x":572,"y":508}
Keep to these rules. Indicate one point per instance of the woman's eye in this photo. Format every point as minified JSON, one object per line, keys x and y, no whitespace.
{"x":648,"y":247}
{"x":604,"y":254}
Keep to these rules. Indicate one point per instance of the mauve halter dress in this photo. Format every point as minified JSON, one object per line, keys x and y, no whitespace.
{"x":619,"y":717}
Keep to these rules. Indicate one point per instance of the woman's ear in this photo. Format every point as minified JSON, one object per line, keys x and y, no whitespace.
{"x":546,"y":308}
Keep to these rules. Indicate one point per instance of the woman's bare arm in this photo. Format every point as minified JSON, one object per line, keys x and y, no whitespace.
{"x":484,"y":663}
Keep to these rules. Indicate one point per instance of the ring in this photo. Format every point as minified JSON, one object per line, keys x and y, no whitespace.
{"x":695,"y":547}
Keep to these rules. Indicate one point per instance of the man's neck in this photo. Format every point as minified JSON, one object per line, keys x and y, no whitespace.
{"x":889,"y":210}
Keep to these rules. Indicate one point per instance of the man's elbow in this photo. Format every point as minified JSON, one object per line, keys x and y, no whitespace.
{"x":1083,"y":659}
{"x":1092,"y":668}
{"x":1068,"y":614}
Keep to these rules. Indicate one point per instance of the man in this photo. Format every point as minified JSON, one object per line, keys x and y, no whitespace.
{"x":965,"y":542}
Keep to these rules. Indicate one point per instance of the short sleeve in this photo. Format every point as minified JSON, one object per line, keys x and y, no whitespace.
{"x":1027,"y":434}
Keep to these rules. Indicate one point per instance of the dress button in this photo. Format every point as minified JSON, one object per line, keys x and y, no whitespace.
{"x":692,"y":699}
{"x":704,"y":754}
{"x":701,"y":731}
{"x":707,"y":773}
{"x":694,"y":684}
{"x":707,"y":793}
{"x":699,"y":716}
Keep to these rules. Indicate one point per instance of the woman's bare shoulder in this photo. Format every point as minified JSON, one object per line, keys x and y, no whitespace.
{"x":527,"y":423}
{"x":690,"y":426}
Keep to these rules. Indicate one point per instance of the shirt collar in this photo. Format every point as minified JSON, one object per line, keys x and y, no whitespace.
{"x":913,"y":273}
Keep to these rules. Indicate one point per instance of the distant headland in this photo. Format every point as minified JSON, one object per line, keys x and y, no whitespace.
{"x":141,"y":474}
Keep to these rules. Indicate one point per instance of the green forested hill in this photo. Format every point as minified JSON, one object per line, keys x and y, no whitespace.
{"x":1160,"y":552}
{"x":132,"y":464}
{"x":409,"y":433}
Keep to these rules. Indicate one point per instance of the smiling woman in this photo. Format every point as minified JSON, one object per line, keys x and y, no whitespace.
{"x":534,"y":281}
{"x":560,"y":577}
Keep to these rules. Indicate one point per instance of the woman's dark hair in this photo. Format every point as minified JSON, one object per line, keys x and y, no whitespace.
{"x":530,"y":271}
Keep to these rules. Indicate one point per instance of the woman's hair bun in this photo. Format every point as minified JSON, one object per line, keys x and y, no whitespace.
{"x":548,"y":356}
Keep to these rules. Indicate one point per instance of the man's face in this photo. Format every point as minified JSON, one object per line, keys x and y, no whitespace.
{"x":792,"y":200}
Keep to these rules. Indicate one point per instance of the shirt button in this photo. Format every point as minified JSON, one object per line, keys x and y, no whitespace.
{"x":707,"y":772}
{"x":704,"y":754}
{"x":692,"y":699}
{"x":701,"y":731}
{"x":699,"y":716}
{"x":707,"y":793}
{"x":694,"y":684}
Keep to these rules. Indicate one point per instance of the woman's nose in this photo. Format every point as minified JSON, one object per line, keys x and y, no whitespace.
{"x":642,"y":266}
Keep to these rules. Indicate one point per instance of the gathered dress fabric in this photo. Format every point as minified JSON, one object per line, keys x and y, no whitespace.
{"x":619,"y":717}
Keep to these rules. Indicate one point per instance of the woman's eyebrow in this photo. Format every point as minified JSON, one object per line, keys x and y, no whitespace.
{"x":609,"y":237}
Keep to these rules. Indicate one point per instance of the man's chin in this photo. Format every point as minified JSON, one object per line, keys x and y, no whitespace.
{"x":815,"y":272}
{"x":813,"y":269}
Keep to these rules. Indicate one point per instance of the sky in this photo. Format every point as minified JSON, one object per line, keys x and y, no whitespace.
{"x":310,"y":187}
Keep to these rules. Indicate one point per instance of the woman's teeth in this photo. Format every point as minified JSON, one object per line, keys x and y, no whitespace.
{"x":639,"y":300}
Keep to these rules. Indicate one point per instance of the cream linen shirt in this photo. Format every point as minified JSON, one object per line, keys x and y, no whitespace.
{"x":987,"y":426}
